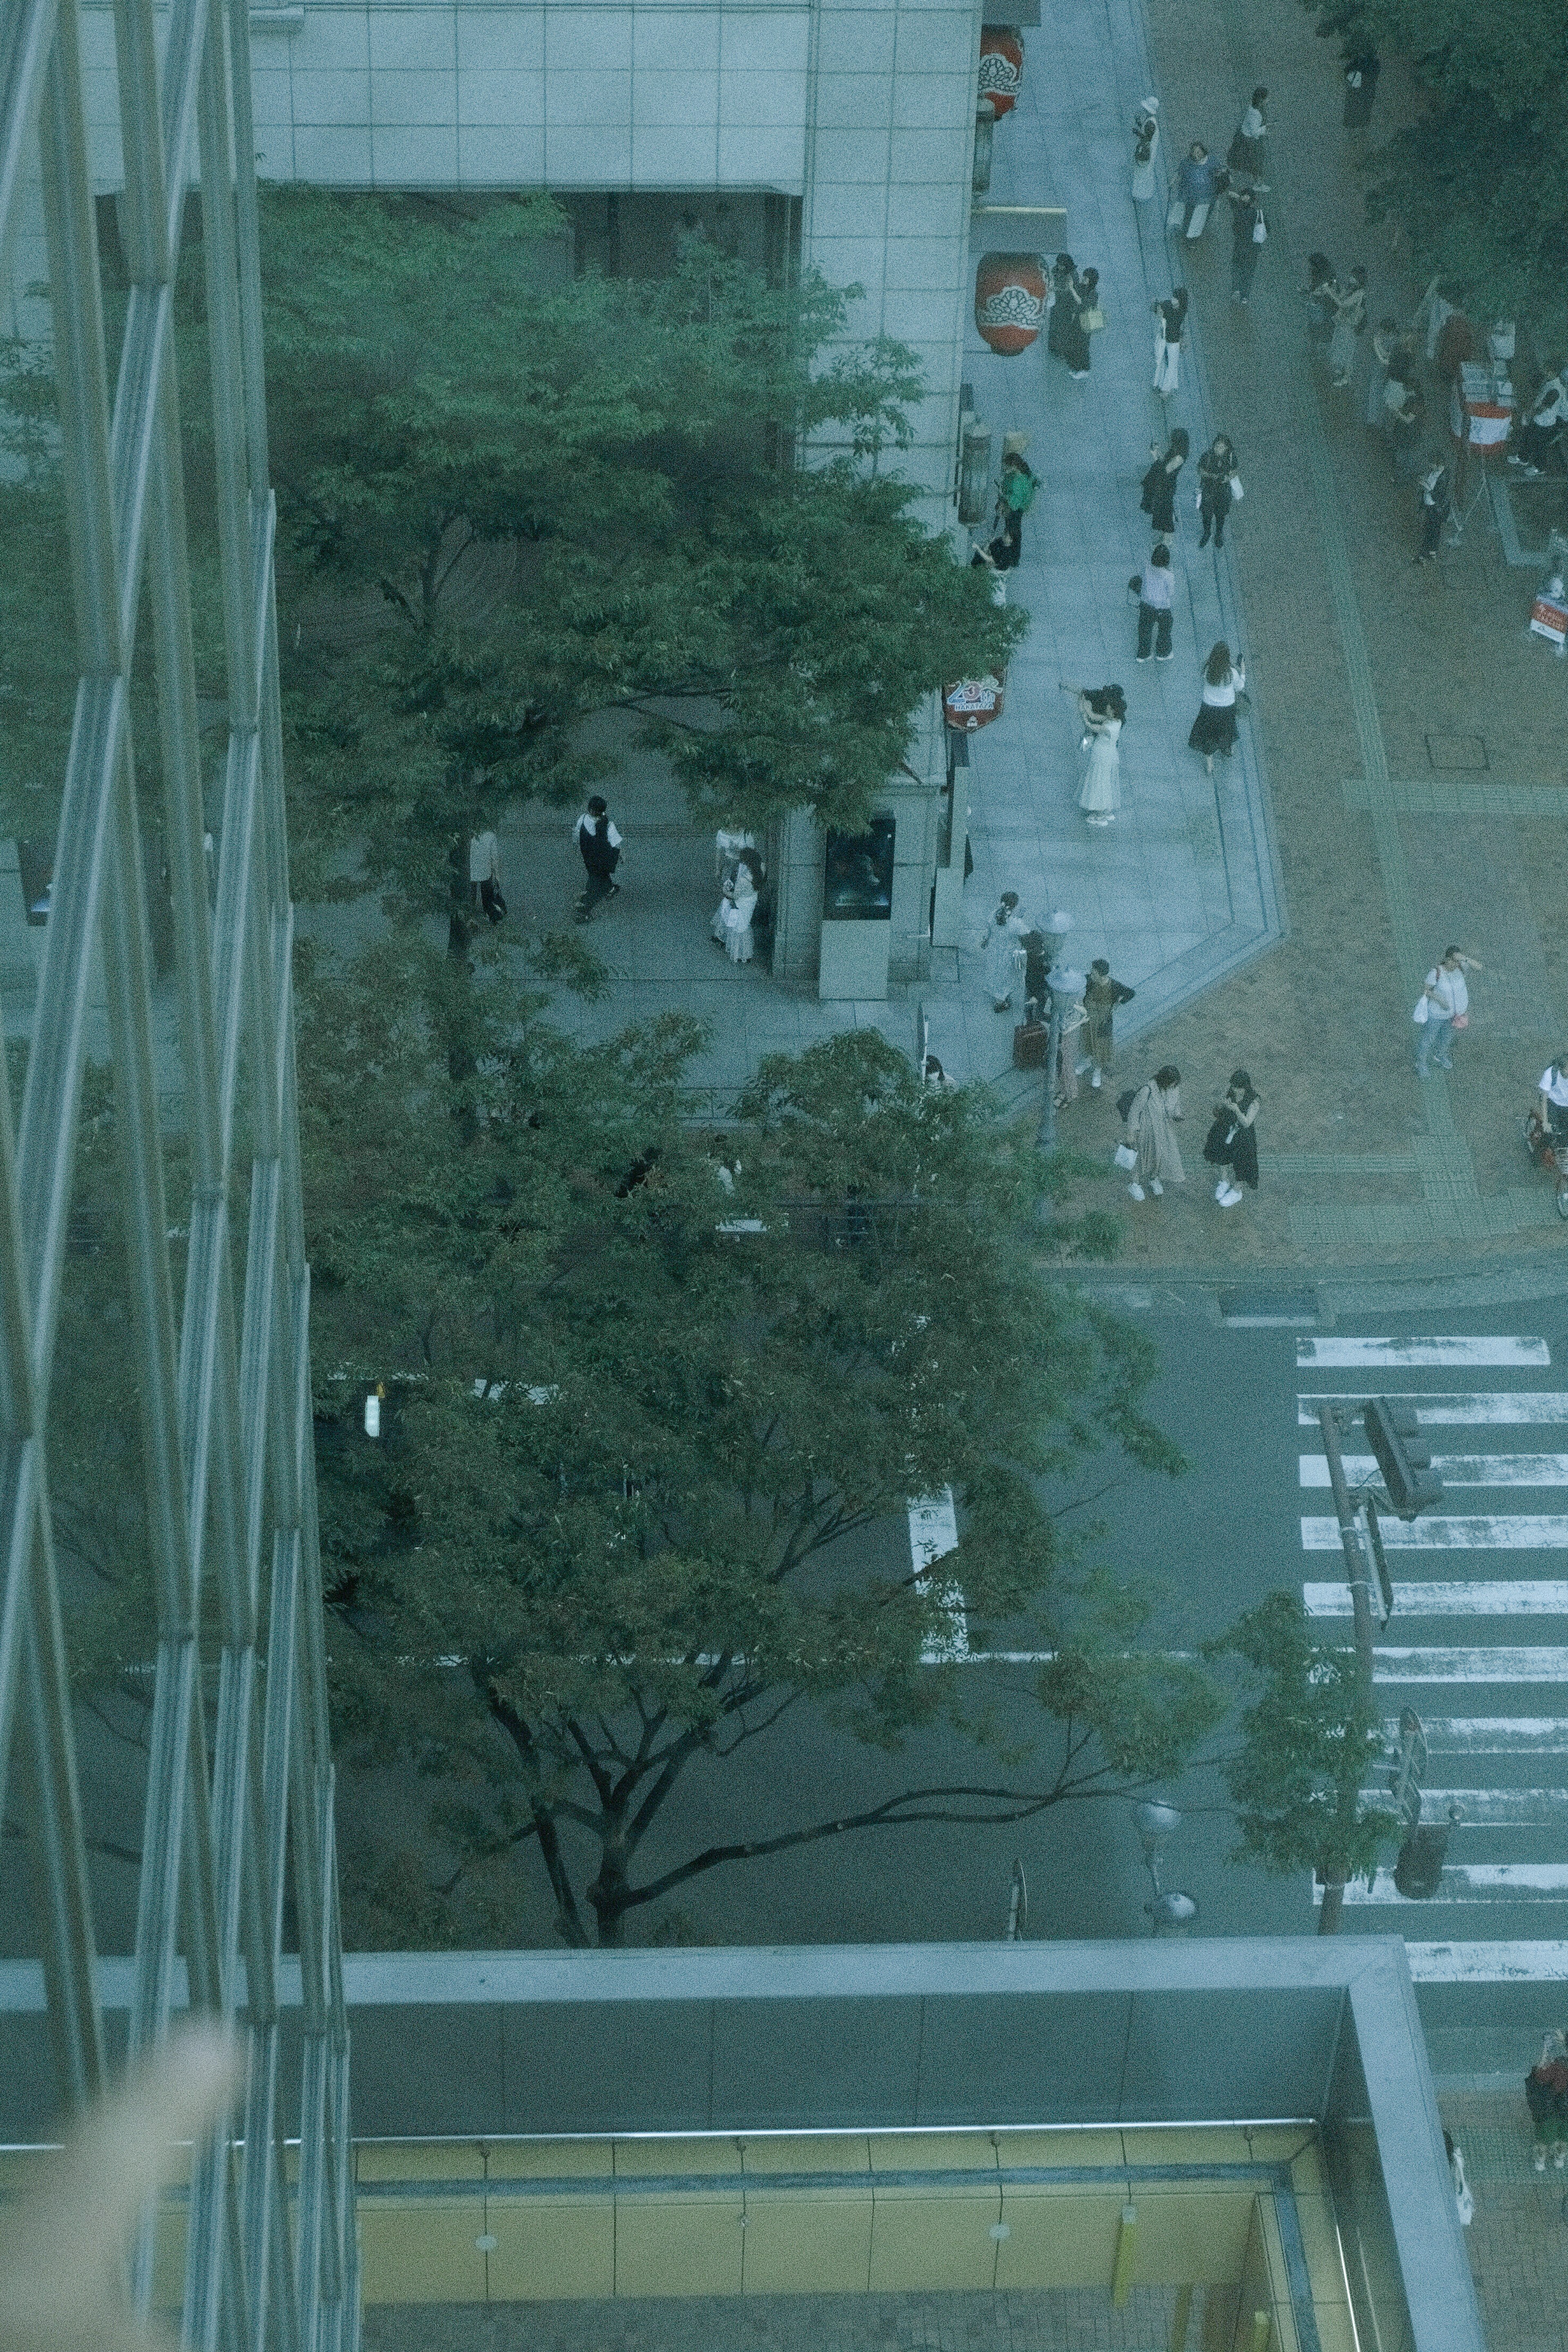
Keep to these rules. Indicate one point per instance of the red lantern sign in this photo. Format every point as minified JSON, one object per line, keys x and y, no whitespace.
{"x":974,"y":702}
{"x":1009,"y":300}
{"x":1001,"y":65}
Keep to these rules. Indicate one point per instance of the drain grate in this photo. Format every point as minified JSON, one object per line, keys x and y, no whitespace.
{"x":1463,"y":753}
{"x":1263,"y":1310}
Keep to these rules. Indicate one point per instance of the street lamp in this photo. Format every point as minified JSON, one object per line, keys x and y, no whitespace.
{"x":1061,"y":987}
{"x":1171,"y":1909}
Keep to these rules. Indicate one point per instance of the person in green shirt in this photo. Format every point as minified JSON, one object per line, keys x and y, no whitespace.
{"x":1014,"y":495}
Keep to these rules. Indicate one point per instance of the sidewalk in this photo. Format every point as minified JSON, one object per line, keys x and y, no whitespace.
{"x":1406,"y":746}
{"x":1413,"y":732}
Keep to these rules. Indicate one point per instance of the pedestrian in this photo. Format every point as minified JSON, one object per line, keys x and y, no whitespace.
{"x":1546,"y":2096}
{"x":1015,"y":488}
{"x":1064,"y":269}
{"x":1248,"y":235}
{"x":1145,"y":149}
{"x":1231,"y":1143}
{"x":1157,"y":600}
{"x":1101,"y":995}
{"x":1150,"y":1117}
{"x":1437,"y":498}
{"x":1464,"y":2197}
{"x":1246,"y":153}
{"x":1159,"y":498}
{"x":1077,"y":302}
{"x":1103,"y":712}
{"x":1037,"y":971}
{"x":1442,"y":1007}
{"x":1361,"y":69}
{"x":1219,"y":486}
{"x":1001,"y":944}
{"x":1405,"y":404}
{"x":1197,"y":184}
{"x":484,"y":875}
{"x":1069,"y":986}
{"x":599,"y":843}
{"x":731,"y":924}
{"x":1384,"y":344}
{"x":1214,"y":729}
{"x":1547,"y":413}
{"x":1318,"y":295}
{"x":1170,"y":320}
{"x":1350,"y":318}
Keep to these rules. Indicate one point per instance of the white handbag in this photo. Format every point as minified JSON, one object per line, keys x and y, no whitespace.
{"x":1423,"y":1009}
{"x":1125,"y":1156}
{"x":1235,"y":490}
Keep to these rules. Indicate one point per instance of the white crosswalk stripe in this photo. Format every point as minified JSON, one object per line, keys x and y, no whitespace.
{"x":1435,"y":1408}
{"x":1530,"y":1596}
{"x":1497,"y":1780}
{"x":1455,"y":1469}
{"x":1401,"y":1354}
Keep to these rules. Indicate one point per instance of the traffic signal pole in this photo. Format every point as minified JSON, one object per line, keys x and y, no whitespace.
{"x":1355,"y":1554}
{"x":1332,"y":1905}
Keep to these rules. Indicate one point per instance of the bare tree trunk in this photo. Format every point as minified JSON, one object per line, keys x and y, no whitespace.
{"x":1331,"y":1909}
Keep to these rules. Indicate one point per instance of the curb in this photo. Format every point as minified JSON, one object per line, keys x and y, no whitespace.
{"x":1296,"y":1297}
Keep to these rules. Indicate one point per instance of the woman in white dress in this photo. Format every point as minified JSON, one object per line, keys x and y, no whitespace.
{"x":1003,"y":944}
{"x":1103,"y":710}
{"x":731,"y":924}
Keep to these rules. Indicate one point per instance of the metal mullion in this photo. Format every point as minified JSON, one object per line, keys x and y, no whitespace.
{"x":82,"y":367}
{"x":158,"y":1900}
{"x":69,"y":1957}
{"x":236,"y":864}
{"x":215,"y":2282}
{"x":184,"y":827}
{"x":213,"y":2206}
{"x":248,"y":226}
{"x":263,"y":2208}
{"x":144,"y":232}
{"x":260,"y":1334}
{"x":126,"y":960}
{"x":27,"y":37}
{"x":20,"y":1521}
{"x":52,"y":1097}
{"x":274,"y":808}
{"x":233,"y":500}
{"x":182,"y":55}
{"x":311,"y":2207}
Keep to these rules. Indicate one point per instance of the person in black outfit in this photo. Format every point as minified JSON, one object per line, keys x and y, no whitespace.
{"x":599,"y":843}
{"x":1231,"y":1143}
{"x":1159,"y":499}
{"x":1217,"y":475}
{"x":1064,"y":269}
{"x":1246,"y":244}
{"x":1079,"y":295}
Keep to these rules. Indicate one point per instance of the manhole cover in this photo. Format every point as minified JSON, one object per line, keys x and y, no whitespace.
{"x":1457,"y":751}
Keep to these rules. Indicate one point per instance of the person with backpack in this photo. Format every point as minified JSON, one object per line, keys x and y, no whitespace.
{"x":1015,"y":496}
{"x":599,"y":845}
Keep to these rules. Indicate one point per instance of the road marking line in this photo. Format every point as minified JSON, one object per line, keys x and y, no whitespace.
{"x":1508,"y":1809}
{"x":1522,"y":1962}
{"x":1454,"y":1469}
{"x":1326,"y":1353}
{"x":1471,"y":1882}
{"x":1488,"y":1735}
{"x":1435,"y":1408}
{"x":1521,"y":1531}
{"x":1520,"y":1597}
{"x":1538,"y":1664}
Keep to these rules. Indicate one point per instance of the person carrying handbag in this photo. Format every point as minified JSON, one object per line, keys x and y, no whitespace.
{"x":1442,"y":1007}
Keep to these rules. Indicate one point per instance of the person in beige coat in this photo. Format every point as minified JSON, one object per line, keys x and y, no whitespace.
{"x":1151,"y":1115}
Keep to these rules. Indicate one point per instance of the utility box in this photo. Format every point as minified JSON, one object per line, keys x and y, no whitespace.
{"x":858,"y":913}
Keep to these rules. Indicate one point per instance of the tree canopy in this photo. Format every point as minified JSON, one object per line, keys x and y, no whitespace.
{"x":1309,"y":1741}
{"x":651,"y":1379}
{"x":551,"y":499}
{"x":1481,"y":181}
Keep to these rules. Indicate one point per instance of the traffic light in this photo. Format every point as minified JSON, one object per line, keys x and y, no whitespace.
{"x":1406,"y":1462}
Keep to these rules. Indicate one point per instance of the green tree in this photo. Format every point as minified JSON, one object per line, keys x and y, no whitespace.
{"x":1481,"y":181}
{"x":531,"y":501}
{"x":658,"y":1377}
{"x":1309,"y":1741}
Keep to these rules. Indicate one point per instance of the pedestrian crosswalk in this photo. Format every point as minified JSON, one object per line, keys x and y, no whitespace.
{"x":1460,"y":1629}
